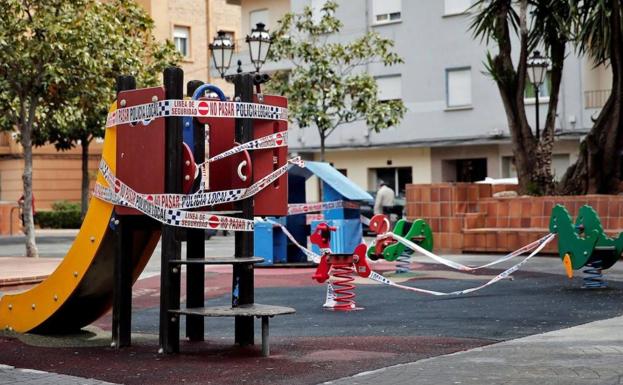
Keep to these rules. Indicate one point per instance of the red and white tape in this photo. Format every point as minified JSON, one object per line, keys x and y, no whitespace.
{"x":127,"y":197}
{"x":503,"y":275}
{"x":279,"y":139}
{"x":195,"y":108}
{"x":303,"y":208}
{"x":204,"y":198}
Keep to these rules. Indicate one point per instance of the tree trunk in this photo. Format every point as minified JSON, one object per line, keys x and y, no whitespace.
{"x":533,"y":157}
{"x":598,"y":167}
{"x":85,"y":176}
{"x":322,"y":141}
{"x":26,"y":140}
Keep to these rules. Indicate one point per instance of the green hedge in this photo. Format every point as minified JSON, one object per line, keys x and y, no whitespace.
{"x":64,"y":215}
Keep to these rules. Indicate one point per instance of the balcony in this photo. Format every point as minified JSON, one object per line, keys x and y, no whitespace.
{"x":596,"y":98}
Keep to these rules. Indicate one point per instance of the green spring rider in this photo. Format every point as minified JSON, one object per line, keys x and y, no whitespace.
{"x":391,"y":250}
{"x":585,"y":244}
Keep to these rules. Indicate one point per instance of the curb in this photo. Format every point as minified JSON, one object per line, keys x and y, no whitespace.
{"x":18,"y":281}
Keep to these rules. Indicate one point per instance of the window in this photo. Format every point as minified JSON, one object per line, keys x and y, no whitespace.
{"x":560,"y":164}
{"x":508,"y":167}
{"x":386,"y":11}
{"x":316,"y":7}
{"x":455,"y":7}
{"x":389,"y":88}
{"x":397,"y":178}
{"x":258,"y":16}
{"x":181,"y":39}
{"x":543,"y":89}
{"x":459,"y":87}
{"x":464,"y":170}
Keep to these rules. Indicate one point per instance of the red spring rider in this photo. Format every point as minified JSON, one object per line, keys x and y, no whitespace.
{"x":340,"y":267}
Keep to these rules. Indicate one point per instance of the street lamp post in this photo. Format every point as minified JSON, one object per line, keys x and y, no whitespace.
{"x":537,"y":69}
{"x":222,"y":48}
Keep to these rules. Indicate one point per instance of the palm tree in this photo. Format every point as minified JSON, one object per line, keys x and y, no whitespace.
{"x":599,"y":35}
{"x":537,"y":23}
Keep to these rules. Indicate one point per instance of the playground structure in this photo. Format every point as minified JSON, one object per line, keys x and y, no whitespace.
{"x":584,"y":244}
{"x":156,"y":173}
{"x":147,"y":186}
{"x":339,"y":208}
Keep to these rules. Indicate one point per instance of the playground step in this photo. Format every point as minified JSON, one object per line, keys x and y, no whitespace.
{"x":217,"y":261}
{"x":251,"y":310}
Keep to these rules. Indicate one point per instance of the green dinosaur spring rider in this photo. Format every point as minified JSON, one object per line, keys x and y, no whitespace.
{"x":391,"y":250}
{"x":585,"y":244}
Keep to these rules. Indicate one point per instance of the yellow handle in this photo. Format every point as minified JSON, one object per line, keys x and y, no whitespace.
{"x":566,"y":261}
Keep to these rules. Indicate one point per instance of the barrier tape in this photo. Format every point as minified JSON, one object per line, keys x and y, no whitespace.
{"x":195,"y":108}
{"x":279,"y":139}
{"x":503,"y":275}
{"x":374,"y":276}
{"x":203,"y":198}
{"x":311,"y":256}
{"x":299,"y":208}
{"x":180,"y":218}
{"x":458,"y":266}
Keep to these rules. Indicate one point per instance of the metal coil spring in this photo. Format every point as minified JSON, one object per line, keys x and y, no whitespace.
{"x":594,"y":279}
{"x":403,"y":264}
{"x":344,"y":296}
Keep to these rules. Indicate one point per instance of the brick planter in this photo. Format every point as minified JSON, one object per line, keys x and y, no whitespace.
{"x":465,"y":216}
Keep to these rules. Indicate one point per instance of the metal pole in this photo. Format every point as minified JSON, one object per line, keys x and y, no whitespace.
{"x":195,"y":242}
{"x":122,"y":289}
{"x":242,"y":285}
{"x":171,"y":247}
{"x":536,"y":96}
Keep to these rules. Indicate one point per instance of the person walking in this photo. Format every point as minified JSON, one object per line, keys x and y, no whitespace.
{"x":384,"y":199}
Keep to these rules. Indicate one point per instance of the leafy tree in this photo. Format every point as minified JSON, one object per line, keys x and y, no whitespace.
{"x":326,"y":86}
{"x":546,"y":26}
{"x":49,"y":49}
{"x":128,"y":48}
{"x":599,"y":32}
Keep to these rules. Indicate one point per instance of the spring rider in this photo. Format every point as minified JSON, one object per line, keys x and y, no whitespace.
{"x":585,"y":244}
{"x":390,"y":249}
{"x":339,"y":267}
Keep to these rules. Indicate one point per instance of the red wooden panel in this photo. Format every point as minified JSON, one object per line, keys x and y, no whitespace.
{"x":140,"y":148}
{"x":273,"y":200}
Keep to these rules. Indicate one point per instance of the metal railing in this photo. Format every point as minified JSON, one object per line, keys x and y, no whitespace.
{"x":596,"y":98}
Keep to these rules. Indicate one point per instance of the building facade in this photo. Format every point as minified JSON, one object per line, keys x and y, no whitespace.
{"x":190,"y":25}
{"x":455,"y":128}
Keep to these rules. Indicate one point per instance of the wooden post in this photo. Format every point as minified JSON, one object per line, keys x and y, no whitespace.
{"x":195,"y":242}
{"x":171,"y":248}
{"x":122,"y":289}
{"x":242,"y":285}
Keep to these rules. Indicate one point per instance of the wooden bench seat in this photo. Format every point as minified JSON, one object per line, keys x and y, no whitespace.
{"x":252,"y":310}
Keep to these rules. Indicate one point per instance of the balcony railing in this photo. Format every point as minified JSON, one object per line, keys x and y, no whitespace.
{"x":596,"y":98}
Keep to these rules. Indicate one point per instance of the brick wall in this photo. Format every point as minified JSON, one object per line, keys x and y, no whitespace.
{"x":465,"y":217}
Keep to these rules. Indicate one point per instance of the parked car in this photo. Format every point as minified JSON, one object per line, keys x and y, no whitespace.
{"x":396,"y":211}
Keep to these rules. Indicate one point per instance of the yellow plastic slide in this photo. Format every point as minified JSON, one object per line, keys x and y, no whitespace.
{"x":79,"y":291}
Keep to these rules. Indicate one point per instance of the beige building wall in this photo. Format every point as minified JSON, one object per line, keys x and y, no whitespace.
{"x":441,"y":171}
{"x":226,"y":17}
{"x":358,"y":165}
{"x":498,"y":157}
{"x":57,"y":176}
{"x":276,"y":10}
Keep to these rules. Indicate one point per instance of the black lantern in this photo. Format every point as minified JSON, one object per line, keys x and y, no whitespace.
{"x":259,"y":43}
{"x":537,"y":69}
{"x":222,"y":49}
